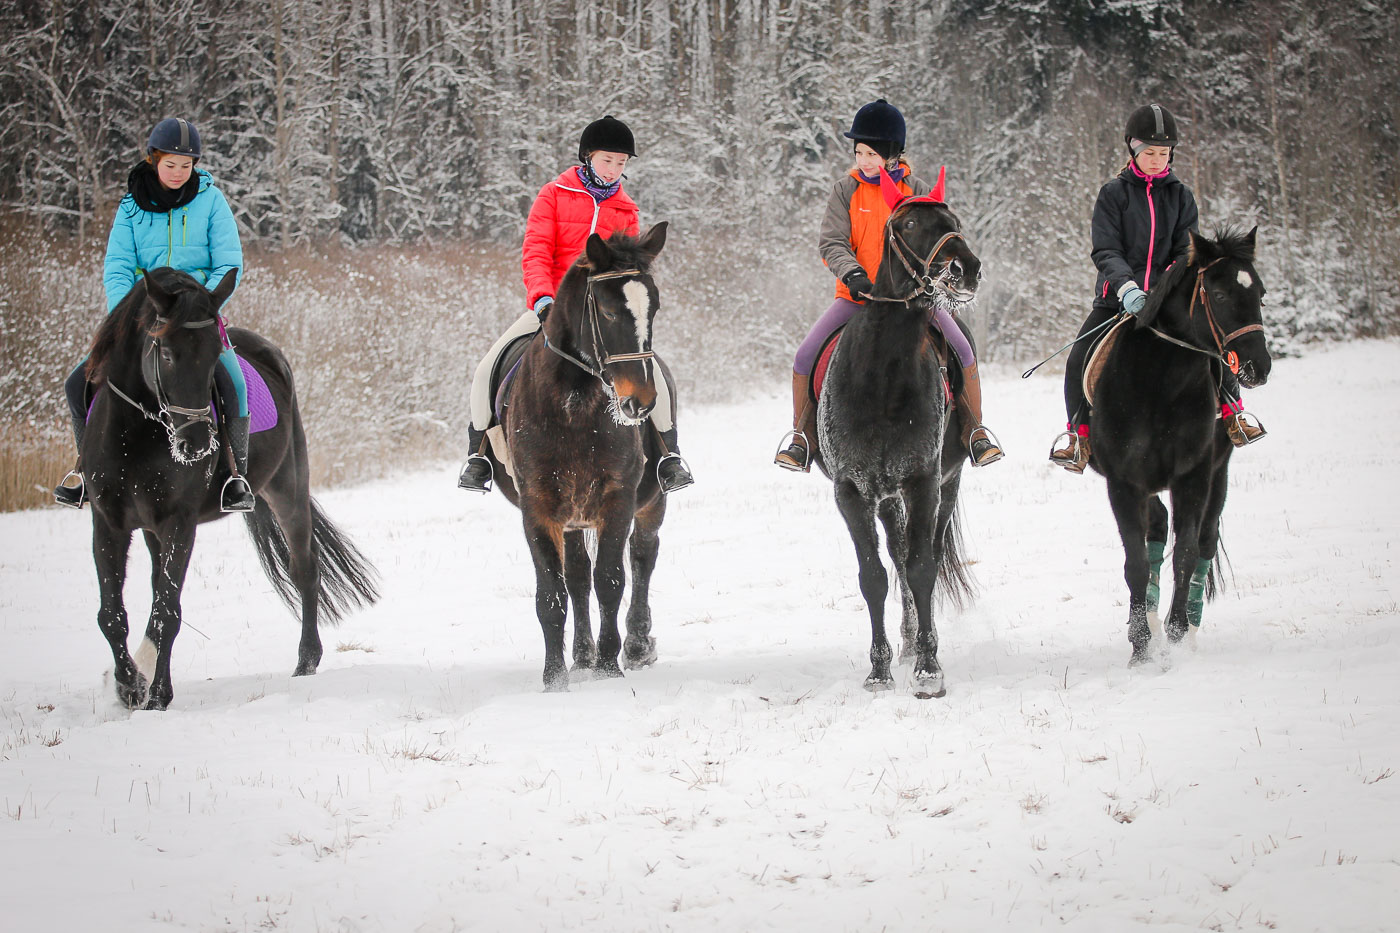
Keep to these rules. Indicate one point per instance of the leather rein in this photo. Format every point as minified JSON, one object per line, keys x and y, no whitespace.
{"x":600,"y":348}
{"x":1222,"y":340}
{"x":926,"y":285}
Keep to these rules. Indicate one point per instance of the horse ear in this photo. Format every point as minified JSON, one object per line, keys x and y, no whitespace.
{"x":1200,"y":251}
{"x":654,"y":239}
{"x":937,"y":193}
{"x":158,"y":296}
{"x":889,"y":189}
{"x":599,"y":256}
{"x":225,"y":287}
{"x":1250,"y":239}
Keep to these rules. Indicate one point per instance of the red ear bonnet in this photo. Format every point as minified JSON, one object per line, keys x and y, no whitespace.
{"x":893,"y":196}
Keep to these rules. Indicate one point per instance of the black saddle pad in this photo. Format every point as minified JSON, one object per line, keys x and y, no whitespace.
{"x":504,"y":372}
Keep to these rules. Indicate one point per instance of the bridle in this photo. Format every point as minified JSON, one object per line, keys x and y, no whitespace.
{"x":600,"y":349}
{"x":926,"y":285}
{"x":165,"y":412}
{"x":1199,"y":294}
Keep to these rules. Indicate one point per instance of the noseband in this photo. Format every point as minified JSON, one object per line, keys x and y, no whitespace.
{"x":165,"y":412}
{"x":1199,"y":294}
{"x":600,"y":349}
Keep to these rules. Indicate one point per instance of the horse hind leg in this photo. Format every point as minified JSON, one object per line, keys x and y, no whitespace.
{"x":578,"y":580}
{"x":639,"y":647}
{"x":283,"y":528}
{"x":1156,"y":551}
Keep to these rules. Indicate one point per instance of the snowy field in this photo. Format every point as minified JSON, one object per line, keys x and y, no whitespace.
{"x":422,"y":782}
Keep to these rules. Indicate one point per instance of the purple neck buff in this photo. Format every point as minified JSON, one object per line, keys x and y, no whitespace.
{"x":595,"y":186}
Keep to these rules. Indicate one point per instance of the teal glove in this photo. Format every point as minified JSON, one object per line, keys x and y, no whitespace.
{"x":1134,"y":300}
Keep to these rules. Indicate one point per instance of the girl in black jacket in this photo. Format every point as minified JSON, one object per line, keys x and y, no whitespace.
{"x":1143,"y":220}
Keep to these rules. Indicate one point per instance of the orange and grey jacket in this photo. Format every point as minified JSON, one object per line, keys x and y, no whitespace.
{"x":853,"y":228}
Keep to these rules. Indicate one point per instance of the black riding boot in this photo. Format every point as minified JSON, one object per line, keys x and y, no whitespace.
{"x":672,"y":472}
{"x":72,"y":492}
{"x":476,"y":473}
{"x":237,"y":495}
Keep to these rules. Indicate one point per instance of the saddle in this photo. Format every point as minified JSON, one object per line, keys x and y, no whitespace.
{"x":1097,"y":357}
{"x":262,"y":410}
{"x":814,"y":389}
{"x":502,"y":379}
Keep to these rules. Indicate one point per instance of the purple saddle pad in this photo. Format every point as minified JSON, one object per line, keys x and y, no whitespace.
{"x":262,"y":410}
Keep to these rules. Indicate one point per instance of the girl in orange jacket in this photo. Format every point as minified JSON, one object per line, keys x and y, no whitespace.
{"x":851,"y":244}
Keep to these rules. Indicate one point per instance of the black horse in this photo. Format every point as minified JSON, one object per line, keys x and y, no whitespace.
{"x":888,"y":436}
{"x":1157,"y":424}
{"x":149,"y":455}
{"x":577,"y":459}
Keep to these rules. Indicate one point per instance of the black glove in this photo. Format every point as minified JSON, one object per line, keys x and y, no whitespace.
{"x":859,"y":284}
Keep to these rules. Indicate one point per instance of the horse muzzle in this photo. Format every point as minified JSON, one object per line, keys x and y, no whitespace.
{"x":1254,"y":373}
{"x":634,"y":407}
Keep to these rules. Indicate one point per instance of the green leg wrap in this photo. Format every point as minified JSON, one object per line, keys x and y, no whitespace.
{"x":1196,"y":593}
{"x":1155,"y":550}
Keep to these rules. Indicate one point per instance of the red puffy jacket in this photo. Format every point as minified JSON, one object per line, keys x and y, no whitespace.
{"x":562,"y":217}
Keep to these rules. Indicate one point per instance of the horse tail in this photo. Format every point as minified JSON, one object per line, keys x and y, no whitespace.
{"x":953,"y":570}
{"x":347,"y":580}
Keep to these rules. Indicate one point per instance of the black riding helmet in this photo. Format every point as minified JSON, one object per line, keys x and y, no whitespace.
{"x":607,"y":135}
{"x":1151,"y":125}
{"x":175,"y":135}
{"x":880,"y":126}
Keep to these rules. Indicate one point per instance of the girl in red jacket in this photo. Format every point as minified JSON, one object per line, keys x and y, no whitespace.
{"x":851,"y":244}
{"x":586,"y":198}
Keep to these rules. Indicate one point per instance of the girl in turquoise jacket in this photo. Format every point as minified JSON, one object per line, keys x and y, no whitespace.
{"x":173,"y":215}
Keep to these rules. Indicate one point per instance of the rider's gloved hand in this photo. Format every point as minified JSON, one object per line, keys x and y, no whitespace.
{"x":542,"y":306}
{"x":859,"y":284}
{"x":1133,"y":298}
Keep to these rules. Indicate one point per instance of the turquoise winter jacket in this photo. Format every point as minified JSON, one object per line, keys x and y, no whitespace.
{"x":200,"y":238}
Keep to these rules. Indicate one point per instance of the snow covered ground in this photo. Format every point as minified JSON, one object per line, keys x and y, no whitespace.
{"x":421,"y":780}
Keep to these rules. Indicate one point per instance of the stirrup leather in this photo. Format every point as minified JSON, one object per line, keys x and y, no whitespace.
{"x":991,"y":439}
{"x":786,"y":443}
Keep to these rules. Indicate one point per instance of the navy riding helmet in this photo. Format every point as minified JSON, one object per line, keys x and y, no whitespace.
{"x":175,"y":135}
{"x":880,"y":126}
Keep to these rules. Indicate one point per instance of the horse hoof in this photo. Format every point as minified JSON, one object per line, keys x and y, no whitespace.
{"x":929,"y":686}
{"x":608,"y":669}
{"x":1141,"y":654}
{"x":304,"y":669}
{"x":157,"y":704}
{"x":557,"y":686}
{"x":644,"y":656}
{"x":877,"y":684}
{"x":133,"y":695}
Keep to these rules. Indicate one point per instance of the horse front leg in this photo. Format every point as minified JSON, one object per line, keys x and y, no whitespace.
{"x":1130,"y":510}
{"x":927,"y":526}
{"x":578,"y":573}
{"x":894,"y":519}
{"x":168,"y":569}
{"x":639,"y":648}
{"x":546,"y":540}
{"x":110,"y":548}
{"x":874,"y":581}
{"x":609,"y":580}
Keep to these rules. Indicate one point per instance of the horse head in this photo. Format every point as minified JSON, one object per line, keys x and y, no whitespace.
{"x":611,"y":325}
{"x":181,"y":346}
{"x":925,"y":251}
{"x":1219,"y":303}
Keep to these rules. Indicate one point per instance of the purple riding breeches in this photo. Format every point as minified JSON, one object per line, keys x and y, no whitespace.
{"x":843,"y":309}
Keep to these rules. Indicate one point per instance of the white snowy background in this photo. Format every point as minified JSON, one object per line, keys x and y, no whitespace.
{"x":421,"y":780}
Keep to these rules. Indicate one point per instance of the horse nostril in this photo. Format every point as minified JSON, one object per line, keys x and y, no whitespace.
{"x":955,"y":269}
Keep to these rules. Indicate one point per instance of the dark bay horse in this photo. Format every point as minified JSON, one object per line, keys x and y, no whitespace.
{"x":580,"y":461}
{"x":888,"y":436}
{"x":1157,"y":425}
{"x":150,"y":458}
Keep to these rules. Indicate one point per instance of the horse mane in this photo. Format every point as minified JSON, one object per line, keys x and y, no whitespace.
{"x":1229,"y":243}
{"x":134,"y":314}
